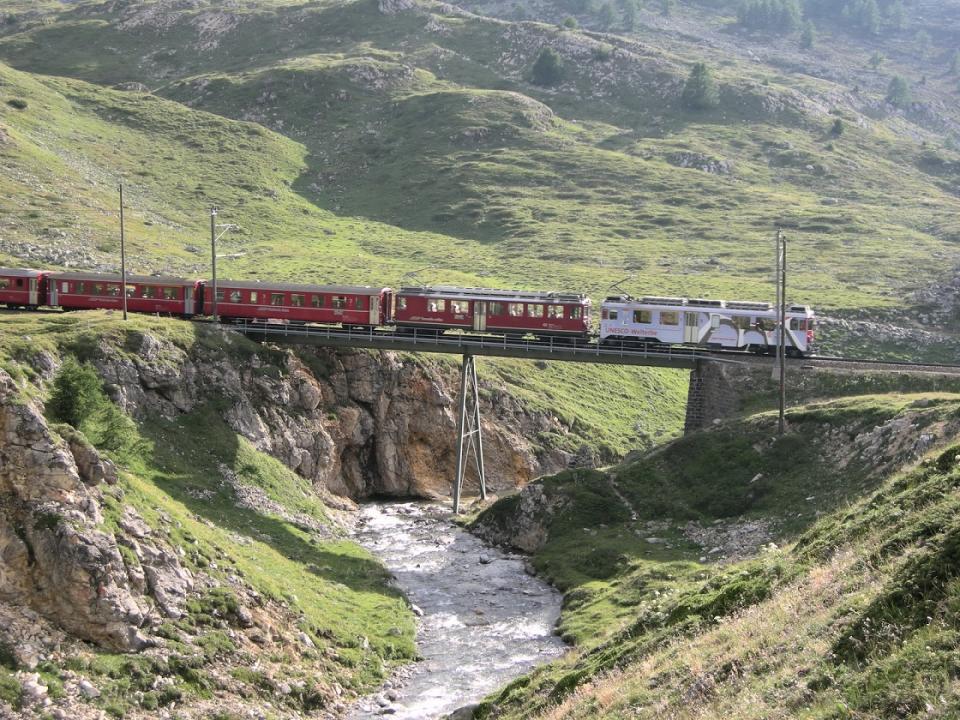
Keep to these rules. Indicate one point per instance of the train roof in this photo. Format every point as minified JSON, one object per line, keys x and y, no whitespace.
{"x":294,"y":287}
{"x":493,"y":294}
{"x":111,"y":277}
{"x":20,"y":272}
{"x":731,"y":305}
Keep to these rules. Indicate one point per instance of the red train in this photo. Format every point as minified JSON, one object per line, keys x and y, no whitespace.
{"x":504,"y":312}
{"x":438,"y":309}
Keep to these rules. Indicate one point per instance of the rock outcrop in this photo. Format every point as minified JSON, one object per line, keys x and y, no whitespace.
{"x":54,"y":558}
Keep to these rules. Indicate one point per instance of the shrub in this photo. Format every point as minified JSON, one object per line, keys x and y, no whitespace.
{"x":17,"y":103}
{"x":548,"y":68}
{"x":77,"y":394}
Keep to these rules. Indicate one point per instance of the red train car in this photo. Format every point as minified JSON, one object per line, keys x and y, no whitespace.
{"x":344,"y":304}
{"x":511,"y":312}
{"x":86,"y":291}
{"x":23,"y":288}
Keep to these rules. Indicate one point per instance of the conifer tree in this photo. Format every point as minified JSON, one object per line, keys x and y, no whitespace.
{"x":607,"y":16}
{"x":700,"y":91}
{"x":629,"y":8}
{"x":548,"y":68}
{"x":808,"y":35}
{"x":898,"y":93}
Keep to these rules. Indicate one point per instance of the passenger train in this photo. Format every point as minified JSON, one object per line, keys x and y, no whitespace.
{"x":624,"y":320}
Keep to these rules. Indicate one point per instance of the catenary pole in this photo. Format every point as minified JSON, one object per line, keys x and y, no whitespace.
{"x":123,"y":259}
{"x":213,"y":261}
{"x":782,"y":241}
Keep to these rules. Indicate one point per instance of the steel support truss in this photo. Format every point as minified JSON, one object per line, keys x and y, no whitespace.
{"x":469,"y":436}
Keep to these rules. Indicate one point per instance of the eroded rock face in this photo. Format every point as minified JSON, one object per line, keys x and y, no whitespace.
{"x":356,"y":424}
{"x":55,"y":557}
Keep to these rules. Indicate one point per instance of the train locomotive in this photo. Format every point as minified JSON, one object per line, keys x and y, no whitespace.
{"x":720,"y":324}
{"x":648,"y":322}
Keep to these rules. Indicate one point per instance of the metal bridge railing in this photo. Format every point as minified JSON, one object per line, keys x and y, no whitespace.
{"x":462,"y":342}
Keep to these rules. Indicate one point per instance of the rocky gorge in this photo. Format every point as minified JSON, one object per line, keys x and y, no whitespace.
{"x":84,"y":568}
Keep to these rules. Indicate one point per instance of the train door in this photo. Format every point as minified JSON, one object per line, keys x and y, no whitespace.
{"x":374,"y":310}
{"x":188,"y":306}
{"x":479,"y":315}
{"x":691,"y":327}
{"x":34,"y":296}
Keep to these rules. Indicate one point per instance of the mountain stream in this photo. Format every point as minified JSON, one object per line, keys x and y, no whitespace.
{"x":484,"y":622}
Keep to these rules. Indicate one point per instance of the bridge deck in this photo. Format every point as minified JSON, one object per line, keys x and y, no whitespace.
{"x":565,"y":350}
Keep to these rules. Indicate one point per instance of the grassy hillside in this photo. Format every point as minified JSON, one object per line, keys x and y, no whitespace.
{"x":325,"y":618}
{"x":853,"y":617}
{"x":426,"y":121}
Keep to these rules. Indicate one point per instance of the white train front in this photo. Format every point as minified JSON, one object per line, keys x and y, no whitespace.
{"x":724,"y":324}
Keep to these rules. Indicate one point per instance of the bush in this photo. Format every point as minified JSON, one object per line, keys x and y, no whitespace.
{"x":77,"y":394}
{"x":17,"y":104}
{"x":548,"y":69}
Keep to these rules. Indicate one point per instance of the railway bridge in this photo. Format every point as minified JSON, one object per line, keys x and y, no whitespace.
{"x":722,"y":383}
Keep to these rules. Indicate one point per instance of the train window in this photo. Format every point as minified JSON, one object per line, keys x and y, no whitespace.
{"x":614,"y":314}
{"x":460,"y":307}
{"x":437,"y":306}
{"x":97,"y":289}
{"x":4,"y":284}
{"x":81,"y":288}
{"x":515,"y":309}
{"x":171,"y":294}
{"x":19,"y":282}
{"x":296,"y":300}
{"x":555,"y":312}
{"x":220,"y":295}
{"x":642,"y":317}
{"x":401,"y":303}
{"x":359,"y":303}
{"x":253,"y":296}
{"x":276,"y":298}
{"x":692,"y":320}
{"x":495,"y":308}
{"x":148,"y":291}
{"x":65,"y":287}
{"x":316,"y":300}
{"x":669,"y":317}
{"x":534,"y":310}
{"x":741,"y":322}
{"x":576,"y":313}
{"x":766,"y":324}
{"x":234,"y":296}
{"x":339,"y":302}
{"x":113,"y":290}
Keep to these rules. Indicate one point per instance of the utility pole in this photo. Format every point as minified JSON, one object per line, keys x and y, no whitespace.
{"x":213,"y":260}
{"x":123,"y":259}
{"x":782,"y":309}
